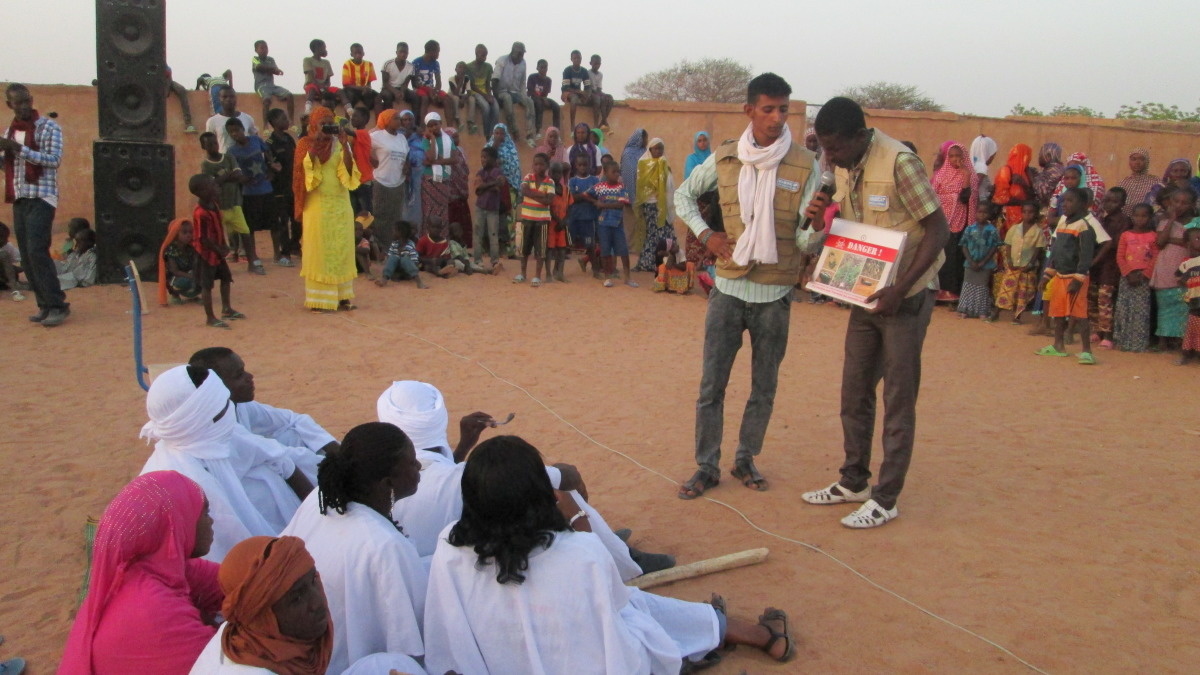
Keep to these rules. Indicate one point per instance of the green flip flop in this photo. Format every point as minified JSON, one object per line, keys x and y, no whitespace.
{"x":1049,"y":350}
{"x":1086,"y":359}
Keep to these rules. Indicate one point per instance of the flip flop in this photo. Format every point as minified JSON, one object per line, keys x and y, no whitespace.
{"x":232,"y":315}
{"x":698,"y":484}
{"x":1086,"y":359}
{"x":218,"y":324}
{"x":1049,"y":350}
{"x":745,"y":471}
{"x":773,"y":614}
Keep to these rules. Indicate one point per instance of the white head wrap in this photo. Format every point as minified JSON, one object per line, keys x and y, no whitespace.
{"x":181,"y":414}
{"x":432,"y":116}
{"x":982,"y":149}
{"x":420,"y":411}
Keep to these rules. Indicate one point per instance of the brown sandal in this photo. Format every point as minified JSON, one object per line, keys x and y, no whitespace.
{"x":698,"y":484}
{"x":745,"y":471}
{"x":773,"y":614}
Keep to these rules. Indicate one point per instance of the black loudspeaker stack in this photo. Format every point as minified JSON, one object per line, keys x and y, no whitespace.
{"x":133,"y":170}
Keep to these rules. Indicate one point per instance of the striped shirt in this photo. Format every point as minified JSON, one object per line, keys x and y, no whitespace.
{"x":49,"y":139}
{"x":357,"y":74}
{"x":704,"y":179}
{"x":530,"y":209}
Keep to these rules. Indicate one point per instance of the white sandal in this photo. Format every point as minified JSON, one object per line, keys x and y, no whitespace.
{"x":842,"y":496}
{"x":869,"y":515}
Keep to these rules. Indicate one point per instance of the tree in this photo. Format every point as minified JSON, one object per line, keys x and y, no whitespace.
{"x":1157,"y":111}
{"x":891,"y":96}
{"x":1060,"y":110}
{"x":706,"y":81}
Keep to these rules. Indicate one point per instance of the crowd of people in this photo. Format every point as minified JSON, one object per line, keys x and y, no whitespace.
{"x":253,"y":541}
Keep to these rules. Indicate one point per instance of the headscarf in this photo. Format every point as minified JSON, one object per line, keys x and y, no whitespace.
{"x":1089,"y":179}
{"x":698,"y":156}
{"x":172,"y":234}
{"x":941,"y":155}
{"x":982,"y":149}
{"x":419,"y":410}
{"x":588,"y":149}
{"x":440,"y":147}
{"x":255,"y":575}
{"x":385,"y":118}
{"x":545,"y":148}
{"x":654,"y":180}
{"x":1045,"y":183}
{"x":1138,"y":186}
{"x":181,"y":415}
{"x":1008,"y":190}
{"x":322,"y":150}
{"x":510,"y":161}
{"x":948,"y":182}
{"x":1193,"y":181}
{"x":599,"y":136}
{"x":150,"y":527}
{"x":630,"y":155}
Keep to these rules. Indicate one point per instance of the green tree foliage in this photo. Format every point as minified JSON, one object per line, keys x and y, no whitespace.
{"x":1157,"y":111}
{"x":891,"y":96}
{"x":1060,"y":110}
{"x":706,"y":81}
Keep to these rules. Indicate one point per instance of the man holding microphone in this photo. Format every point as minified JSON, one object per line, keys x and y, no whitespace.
{"x":880,"y":182}
{"x":764,"y":181}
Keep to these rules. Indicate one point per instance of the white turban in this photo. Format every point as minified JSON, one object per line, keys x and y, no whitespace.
{"x":982,"y":149}
{"x":181,"y":414}
{"x":432,"y":116}
{"x":420,"y":412}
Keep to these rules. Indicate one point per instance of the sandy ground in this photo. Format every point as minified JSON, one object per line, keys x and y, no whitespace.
{"x":1042,"y":511}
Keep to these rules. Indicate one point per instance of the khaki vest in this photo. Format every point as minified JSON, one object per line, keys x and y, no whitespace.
{"x":793,"y":171}
{"x":872,"y":200}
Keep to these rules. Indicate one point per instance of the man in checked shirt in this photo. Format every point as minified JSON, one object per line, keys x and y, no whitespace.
{"x":32,"y":149}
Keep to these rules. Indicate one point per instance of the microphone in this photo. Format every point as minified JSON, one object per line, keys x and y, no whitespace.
{"x":827,"y":188}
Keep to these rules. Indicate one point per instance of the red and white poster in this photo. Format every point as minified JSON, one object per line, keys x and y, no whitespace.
{"x":856,"y":261}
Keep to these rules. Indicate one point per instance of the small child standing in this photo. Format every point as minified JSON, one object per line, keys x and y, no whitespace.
{"x":283,"y":148}
{"x":433,"y":249}
{"x":557,"y":240}
{"x":1024,"y":248}
{"x":583,"y":214}
{"x":223,"y":169}
{"x":177,"y":266}
{"x":537,"y":191}
{"x":1189,"y":281}
{"x":402,"y":258}
{"x":1066,"y":274}
{"x":1172,"y":252}
{"x":610,"y":197}
{"x":487,"y":206}
{"x":360,"y":197}
{"x":209,"y":243}
{"x":979,"y":243}
{"x":1136,"y":251}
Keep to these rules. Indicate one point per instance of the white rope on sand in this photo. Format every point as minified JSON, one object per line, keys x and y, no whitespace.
{"x":743,"y":516}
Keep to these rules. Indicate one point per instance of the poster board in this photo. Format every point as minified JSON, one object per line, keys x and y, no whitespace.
{"x":856,"y":261}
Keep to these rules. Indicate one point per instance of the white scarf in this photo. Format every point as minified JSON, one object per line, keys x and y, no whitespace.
{"x":756,"y":195}
{"x":419,"y":410}
{"x":181,"y":415}
{"x":982,"y":150}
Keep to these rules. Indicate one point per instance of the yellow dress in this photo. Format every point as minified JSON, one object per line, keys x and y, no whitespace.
{"x":328,"y":244}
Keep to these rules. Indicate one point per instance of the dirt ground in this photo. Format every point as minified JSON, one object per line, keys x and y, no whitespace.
{"x":1042,"y":511}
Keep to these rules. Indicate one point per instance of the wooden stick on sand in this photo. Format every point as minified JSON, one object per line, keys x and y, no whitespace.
{"x":700,"y":568}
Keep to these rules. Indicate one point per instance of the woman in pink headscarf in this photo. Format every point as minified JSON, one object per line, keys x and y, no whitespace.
{"x":151,"y":600}
{"x":957,"y":188}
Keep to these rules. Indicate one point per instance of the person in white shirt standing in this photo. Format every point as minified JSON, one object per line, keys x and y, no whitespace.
{"x":389,"y":158}
{"x":216,"y":123}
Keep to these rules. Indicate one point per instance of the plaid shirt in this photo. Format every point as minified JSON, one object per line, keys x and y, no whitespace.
{"x":913,"y":188}
{"x":49,"y":138}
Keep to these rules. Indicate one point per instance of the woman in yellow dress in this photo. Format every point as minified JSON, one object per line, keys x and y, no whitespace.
{"x":324,"y":175}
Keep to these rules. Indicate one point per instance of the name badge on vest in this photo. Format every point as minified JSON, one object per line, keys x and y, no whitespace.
{"x":877,"y":201}
{"x":785,"y":184}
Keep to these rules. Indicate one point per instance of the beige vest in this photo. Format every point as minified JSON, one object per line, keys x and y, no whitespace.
{"x":872,"y":200}
{"x":791,"y":177}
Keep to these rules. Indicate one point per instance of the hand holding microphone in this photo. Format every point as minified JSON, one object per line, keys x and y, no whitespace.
{"x":822,"y":198}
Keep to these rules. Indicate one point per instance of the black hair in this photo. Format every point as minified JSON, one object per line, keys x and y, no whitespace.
{"x":492,"y":152}
{"x":405,"y":229}
{"x":16,"y":87}
{"x":195,"y":181}
{"x":576,"y":51}
{"x":312,"y":46}
{"x":509,"y":508}
{"x":355,"y":44}
{"x":1121,"y":191}
{"x":197,"y":375}
{"x":1165,"y":193}
{"x":76,"y":224}
{"x":1084,"y":194}
{"x":234,"y":122}
{"x":1187,"y":234}
{"x":594,"y":56}
{"x":840,"y":117}
{"x":541,"y":61}
{"x":767,"y":84}
{"x":1033,"y":204}
{"x":274,"y":114}
{"x":329,"y":96}
{"x":367,"y":455}
{"x":1148,"y":207}
{"x":259,"y":42}
{"x":401,"y":44}
{"x":1192,"y":196}
{"x":204,"y":136}
{"x":431,"y":45}
{"x":209,"y":357}
{"x":88,"y":235}
{"x":543,"y":156}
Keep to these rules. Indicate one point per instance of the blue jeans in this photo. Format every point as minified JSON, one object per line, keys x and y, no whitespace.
{"x":727,"y":319}
{"x":32,"y":223}
{"x":407,"y":267}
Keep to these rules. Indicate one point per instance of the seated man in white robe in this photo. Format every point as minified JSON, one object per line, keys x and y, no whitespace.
{"x":374,"y":580}
{"x":266,"y":429}
{"x":519,"y":585}
{"x":191,"y":418}
{"x":419,"y":409}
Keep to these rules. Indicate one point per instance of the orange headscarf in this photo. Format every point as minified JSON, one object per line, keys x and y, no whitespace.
{"x":321,"y":150}
{"x":386,"y":116}
{"x":254,"y":576}
{"x":172,"y":234}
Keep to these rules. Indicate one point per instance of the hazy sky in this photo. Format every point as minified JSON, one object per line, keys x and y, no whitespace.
{"x":972,"y":56}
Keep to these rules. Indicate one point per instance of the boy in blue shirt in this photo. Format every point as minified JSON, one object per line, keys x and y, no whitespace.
{"x":401,"y":258}
{"x":427,"y":83}
{"x":583,"y":214}
{"x":610,"y":198}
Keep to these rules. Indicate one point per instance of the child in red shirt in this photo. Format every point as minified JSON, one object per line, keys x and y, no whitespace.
{"x":209,"y":242}
{"x":557,"y":240}
{"x":433,"y":249}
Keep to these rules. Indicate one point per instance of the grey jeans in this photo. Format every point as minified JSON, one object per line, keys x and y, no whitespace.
{"x":506,"y":100}
{"x":727,"y":319}
{"x":887,"y":348}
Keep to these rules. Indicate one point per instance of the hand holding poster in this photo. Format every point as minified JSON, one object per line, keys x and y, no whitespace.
{"x":856,"y":261}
